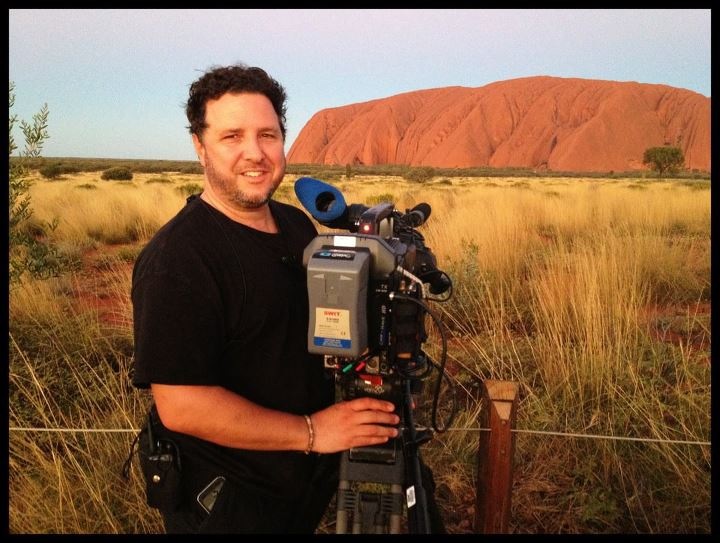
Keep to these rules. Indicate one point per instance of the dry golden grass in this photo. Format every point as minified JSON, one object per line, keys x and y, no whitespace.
{"x":90,"y":210}
{"x":592,"y":294}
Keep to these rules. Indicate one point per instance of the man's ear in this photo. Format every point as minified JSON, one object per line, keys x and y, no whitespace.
{"x":199,"y":149}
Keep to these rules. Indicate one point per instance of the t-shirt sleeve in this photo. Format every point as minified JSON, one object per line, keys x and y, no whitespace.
{"x":178,"y":328}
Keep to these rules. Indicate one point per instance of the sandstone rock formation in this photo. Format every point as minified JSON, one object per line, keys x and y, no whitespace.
{"x":561,"y":124}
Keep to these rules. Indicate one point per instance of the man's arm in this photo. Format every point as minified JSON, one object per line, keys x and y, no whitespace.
{"x":218,"y":415}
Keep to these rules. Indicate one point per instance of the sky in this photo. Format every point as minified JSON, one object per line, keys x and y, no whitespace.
{"x":115,"y":80}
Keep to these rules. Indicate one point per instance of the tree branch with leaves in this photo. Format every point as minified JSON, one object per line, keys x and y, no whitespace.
{"x":28,"y":254}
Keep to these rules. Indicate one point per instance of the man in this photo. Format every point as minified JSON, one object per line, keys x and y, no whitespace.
{"x":244,"y":427}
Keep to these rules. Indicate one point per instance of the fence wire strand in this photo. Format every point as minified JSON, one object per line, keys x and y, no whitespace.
{"x":467,"y":429}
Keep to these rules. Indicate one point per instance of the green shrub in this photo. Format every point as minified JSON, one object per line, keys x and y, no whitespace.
{"x":664,"y":159}
{"x":420,"y":175}
{"x":52,"y":171}
{"x":117,"y":174}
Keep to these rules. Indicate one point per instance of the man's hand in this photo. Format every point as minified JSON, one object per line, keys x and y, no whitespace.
{"x":354,"y":423}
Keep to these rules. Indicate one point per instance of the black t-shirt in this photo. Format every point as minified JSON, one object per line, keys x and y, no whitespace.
{"x":218,"y":303}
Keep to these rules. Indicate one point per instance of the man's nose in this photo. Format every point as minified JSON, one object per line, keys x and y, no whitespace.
{"x":251,"y":149}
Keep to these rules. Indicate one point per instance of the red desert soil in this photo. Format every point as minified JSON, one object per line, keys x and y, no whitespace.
{"x":103,"y":285}
{"x":686,"y":325}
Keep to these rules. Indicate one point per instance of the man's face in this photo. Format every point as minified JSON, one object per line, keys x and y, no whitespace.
{"x":242,"y":150}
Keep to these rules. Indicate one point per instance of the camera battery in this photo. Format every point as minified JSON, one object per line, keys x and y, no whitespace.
{"x":337,"y":293}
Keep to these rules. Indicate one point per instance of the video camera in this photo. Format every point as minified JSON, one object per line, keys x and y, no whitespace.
{"x":366,"y":294}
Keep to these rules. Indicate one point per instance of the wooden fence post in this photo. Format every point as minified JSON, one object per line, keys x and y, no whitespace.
{"x":495,"y":457}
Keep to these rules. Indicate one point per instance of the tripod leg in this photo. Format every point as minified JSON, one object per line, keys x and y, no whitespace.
{"x":396,"y":514}
{"x":342,"y":507}
{"x":357,"y":515}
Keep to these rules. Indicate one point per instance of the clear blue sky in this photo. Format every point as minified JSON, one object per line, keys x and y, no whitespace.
{"x":115,"y":81}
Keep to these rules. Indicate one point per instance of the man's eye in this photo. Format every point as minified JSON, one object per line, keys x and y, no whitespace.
{"x":270,"y":135}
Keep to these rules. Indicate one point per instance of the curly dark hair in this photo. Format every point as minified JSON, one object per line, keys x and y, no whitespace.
{"x":239,"y":78}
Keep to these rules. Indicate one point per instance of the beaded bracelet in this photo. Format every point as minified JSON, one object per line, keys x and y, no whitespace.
{"x":311,"y":434}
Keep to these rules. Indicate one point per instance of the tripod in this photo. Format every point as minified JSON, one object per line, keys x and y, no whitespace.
{"x":397,"y":465}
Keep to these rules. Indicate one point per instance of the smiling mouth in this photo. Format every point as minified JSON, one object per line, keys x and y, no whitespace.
{"x":254,"y":177}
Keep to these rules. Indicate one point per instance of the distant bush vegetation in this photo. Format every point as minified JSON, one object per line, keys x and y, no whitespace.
{"x":330,"y":172}
{"x":76,"y":165}
{"x":117,"y":174}
{"x":424,"y":173}
{"x":420,"y":175}
{"x":55,"y":170}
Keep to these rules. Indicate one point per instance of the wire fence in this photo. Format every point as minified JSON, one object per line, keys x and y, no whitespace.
{"x":466,"y":429}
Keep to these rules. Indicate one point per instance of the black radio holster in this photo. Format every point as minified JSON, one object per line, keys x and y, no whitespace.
{"x":161,"y":466}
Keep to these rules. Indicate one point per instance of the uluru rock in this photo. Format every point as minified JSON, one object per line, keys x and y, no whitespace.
{"x":561,"y":124}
